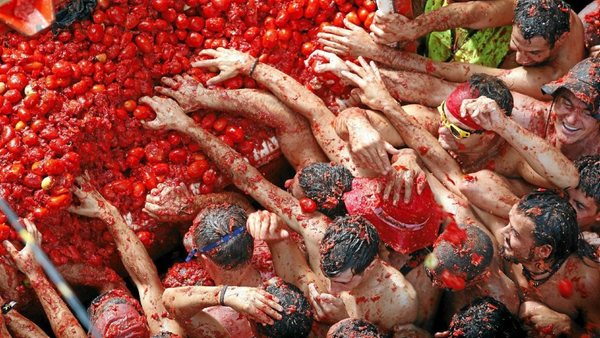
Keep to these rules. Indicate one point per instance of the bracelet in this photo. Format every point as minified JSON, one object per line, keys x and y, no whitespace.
{"x":253,"y":67}
{"x":222,"y":294}
{"x":8,"y":306}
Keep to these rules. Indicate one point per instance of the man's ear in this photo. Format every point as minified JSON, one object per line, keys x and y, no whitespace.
{"x":559,"y":42}
{"x":543,"y":252}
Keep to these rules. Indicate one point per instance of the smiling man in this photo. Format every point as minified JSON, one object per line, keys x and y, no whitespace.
{"x":550,"y":264}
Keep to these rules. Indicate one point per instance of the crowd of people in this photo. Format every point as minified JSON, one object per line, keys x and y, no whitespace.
{"x":454,"y":194}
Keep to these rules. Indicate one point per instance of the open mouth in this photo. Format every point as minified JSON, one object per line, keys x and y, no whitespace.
{"x":569,"y":128}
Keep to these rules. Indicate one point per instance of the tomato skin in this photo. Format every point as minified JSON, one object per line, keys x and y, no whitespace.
{"x":370,"y":5}
{"x":565,"y":288}
{"x":307,"y":205}
{"x":95,"y":32}
{"x":17,"y":81}
{"x":269,"y":39}
{"x":453,"y":281}
{"x":307,"y":48}
{"x":353,"y":17}
{"x":194,"y":39}
{"x":160,"y":5}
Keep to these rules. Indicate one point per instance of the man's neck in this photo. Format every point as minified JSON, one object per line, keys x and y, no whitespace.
{"x":477,"y":160}
{"x":538,"y":272}
{"x":244,"y":276}
{"x":586,"y":146}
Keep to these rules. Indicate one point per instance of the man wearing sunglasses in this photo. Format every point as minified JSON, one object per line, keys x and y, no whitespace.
{"x":466,"y":145}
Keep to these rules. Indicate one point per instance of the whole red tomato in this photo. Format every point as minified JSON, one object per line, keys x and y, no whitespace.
{"x":307,"y":205}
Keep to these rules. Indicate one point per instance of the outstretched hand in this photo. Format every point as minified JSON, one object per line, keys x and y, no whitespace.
{"x":229,"y":61}
{"x":170,"y":203}
{"x":390,"y":27}
{"x":169,"y":115}
{"x":183,"y":89}
{"x":367,"y":77}
{"x":334,"y":63}
{"x":266,"y":226}
{"x":257,"y":304}
{"x":92,"y":203}
{"x":353,"y":41}
{"x":25,"y":259}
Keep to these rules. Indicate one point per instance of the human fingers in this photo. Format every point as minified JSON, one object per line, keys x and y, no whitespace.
{"x":408,"y":182}
{"x":375,"y":70}
{"x":166,"y":91}
{"x":389,"y":186}
{"x":226,"y":75}
{"x":334,"y":30}
{"x":354,"y":78}
{"x":209,"y":52}
{"x":10,"y":248}
{"x":206,"y":63}
{"x":398,"y":187}
{"x":335,"y":51}
{"x":390,"y":148}
{"x":333,"y":44}
{"x":169,"y":82}
{"x":421,"y":182}
{"x":351,"y":26}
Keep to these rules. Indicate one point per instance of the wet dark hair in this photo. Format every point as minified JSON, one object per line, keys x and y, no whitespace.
{"x":485,"y":317}
{"x":555,"y":222}
{"x":355,"y":328}
{"x":350,"y":242}
{"x":493,"y":88}
{"x":466,"y":258}
{"x":326,"y":183}
{"x":296,"y":318}
{"x":556,"y":225}
{"x":589,"y":176}
{"x":546,"y":18}
{"x":216,"y":221}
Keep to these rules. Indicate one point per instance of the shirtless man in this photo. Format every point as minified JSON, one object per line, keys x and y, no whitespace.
{"x":218,"y":238}
{"x":393,"y":300}
{"x":511,"y":149}
{"x":116,"y":305}
{"x":573,"y":127}
{"x":549,"y":262}
{"x":548,"y":40}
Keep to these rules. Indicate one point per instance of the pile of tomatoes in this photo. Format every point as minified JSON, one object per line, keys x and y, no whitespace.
{"x":69,"y":103}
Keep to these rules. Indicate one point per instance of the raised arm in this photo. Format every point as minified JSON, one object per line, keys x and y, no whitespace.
{"x":290,"y":92}
{"x":245,"y":177}
{"x":292,"y":130}
{"x":375,"y":95}
{"x":63,"y":322}
{"x":536,"y":153}
{"x":388,"y":28}
{"x":355,"y":41}
{"x":290,"y":264}
{"x":134,"y":256}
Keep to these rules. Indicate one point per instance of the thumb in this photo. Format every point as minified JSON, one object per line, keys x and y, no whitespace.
{"x":390,"y":149}
{"x":10,"y":248}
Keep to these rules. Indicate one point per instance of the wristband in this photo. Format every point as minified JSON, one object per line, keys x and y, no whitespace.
{"x":222,"y":294}
{"x":253,"y":67}
{"x":8,"y":306}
